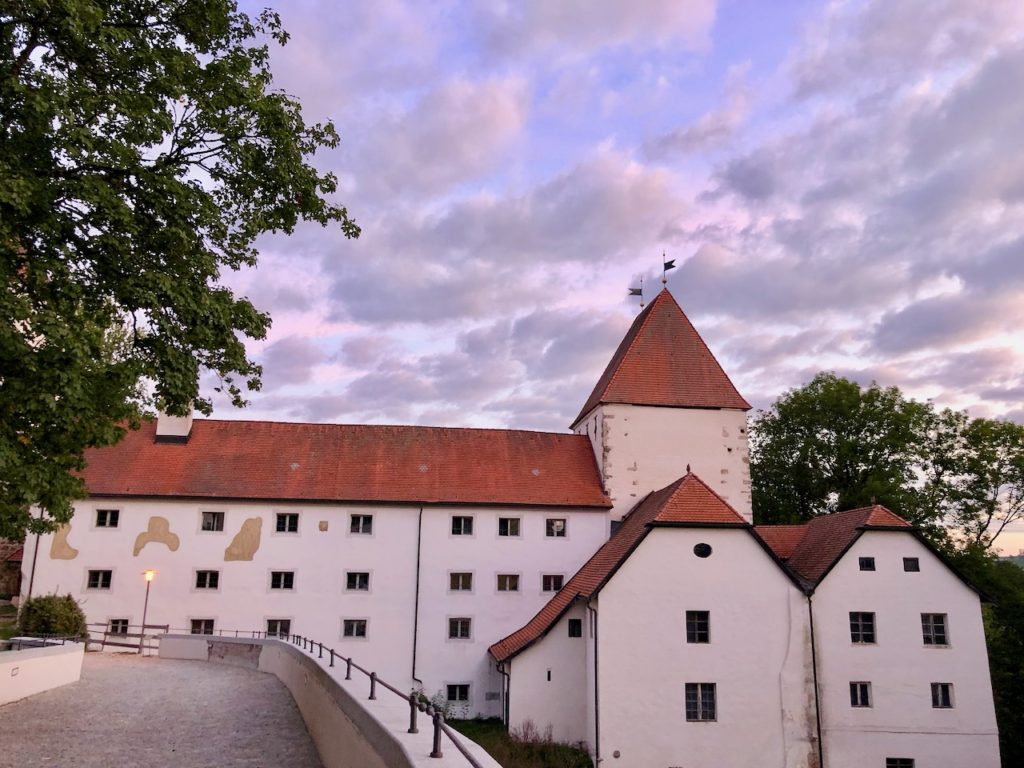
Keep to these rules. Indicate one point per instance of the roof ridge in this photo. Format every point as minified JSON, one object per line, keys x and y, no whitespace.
{"x":378,"y":426}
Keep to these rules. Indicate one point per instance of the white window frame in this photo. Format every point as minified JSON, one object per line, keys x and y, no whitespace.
{"x":551,"y":591}
{"x":463,"y":535}
{"x":940,"y":688}
{"x":861,"y":693}
{"x":109,"y":588}
{"x":211,"y":532}
{"x":362,"y":517}
{"x":366,"y":628}
{"x":519,"y":527}
{"x":516,"y":591}
{"x":270,"y":580}
{"x":472,"y":583}
{"x":556,"y":535}
{"x":356,"y":591}
{"x":469,"y":693}
{"x":213,"y":626}
{"x":96,"y":518}
{"x":268,"y":619}
{"x":287,"y":515}
{"x":928,"y":631}
{"x":459,"y":638}
{"x":195,"y":580}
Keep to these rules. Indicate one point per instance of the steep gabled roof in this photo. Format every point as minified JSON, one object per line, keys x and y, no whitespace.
{"x":663,"y":361}
{"x":348,"y":463}
{"x":810,"y":550}
{"x":687,"y":501}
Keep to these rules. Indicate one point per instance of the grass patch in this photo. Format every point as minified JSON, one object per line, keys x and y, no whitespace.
{"x":8,"y":610}
{"x":530,"y":750}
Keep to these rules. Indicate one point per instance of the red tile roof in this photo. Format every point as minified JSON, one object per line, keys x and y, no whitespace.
{"x":336,"y":462}
{"x":663,"y":361}
{"x":16,"y":556}
{"x":687,"y":501}
{"x":810,"y":550}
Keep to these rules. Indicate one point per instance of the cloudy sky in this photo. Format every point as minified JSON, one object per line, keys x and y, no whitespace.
{"x":841,"y":183}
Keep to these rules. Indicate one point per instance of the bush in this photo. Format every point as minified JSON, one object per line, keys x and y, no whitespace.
{"x":526,"y":747}
{"x":52,"y":615}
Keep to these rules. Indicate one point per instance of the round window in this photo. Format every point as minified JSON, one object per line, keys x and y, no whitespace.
{"x":702,"y":550}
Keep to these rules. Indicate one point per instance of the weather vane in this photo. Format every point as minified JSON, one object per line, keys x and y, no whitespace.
{"x":665,"y":267}
{"x":639,"y":291}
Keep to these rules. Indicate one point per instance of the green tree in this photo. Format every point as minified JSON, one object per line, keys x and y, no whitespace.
{"x":142,"y":151}
{"x":52,"y":615}
{"x":833,"y":445}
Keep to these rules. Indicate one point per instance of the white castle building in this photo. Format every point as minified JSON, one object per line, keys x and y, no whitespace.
{"x":608,"y":583}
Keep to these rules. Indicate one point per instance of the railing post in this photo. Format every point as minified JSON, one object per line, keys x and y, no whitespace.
{"x":348,"y":668}
{"x":438,"y":719}
{"x":332,"y":656}
{"x":373,"y":685}
{"x":321,"y":650}
{"x":413,"y":708}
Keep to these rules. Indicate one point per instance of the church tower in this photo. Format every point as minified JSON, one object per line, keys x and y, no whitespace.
{"x":662,"y":404}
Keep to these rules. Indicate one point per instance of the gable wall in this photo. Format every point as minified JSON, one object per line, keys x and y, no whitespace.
{"x":901,"y":721}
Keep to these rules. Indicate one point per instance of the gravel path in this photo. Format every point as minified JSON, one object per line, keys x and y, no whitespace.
{"x":132,"y":711}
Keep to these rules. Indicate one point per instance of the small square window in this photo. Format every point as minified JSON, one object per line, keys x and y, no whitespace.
{"x":202,"y":626}
{"x":700,"y":702}
{"x":361,"y":524}
{"x":100,"y":579}
{"x":460,"y":582}
{"x":462,"y":525}
{"x":460,"y":629}
{"x":942,"y":695}
{"x":458,"y":692}
{"x":118,"y":627}
{"x":575,"y":627}
{"x":867,"y":563}
{"x":508,"y":526}
{"x":911,"y":564}
{"x":213,"y":521}
{"x":551,"y":582}
{"x":508,"y":582}
{"x":207,"y":579}
{"x":287,"y":522}
{"x":353,"y":628}
{"x":862,"y":627}
{"x":698,"y":626}
{"x":933,"y":629}
{"x":279,"y":627}
{"x":282,"y":579}
{"x":613,"y":527}
{"x":107,"y":518}
{"x":357,"y":581}
{"x":899,"y":762}
{"x":554,"y":527}
{"x":860,"y":694}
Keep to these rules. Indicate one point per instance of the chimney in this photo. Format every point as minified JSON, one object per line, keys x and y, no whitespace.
{"x":173,"y":429}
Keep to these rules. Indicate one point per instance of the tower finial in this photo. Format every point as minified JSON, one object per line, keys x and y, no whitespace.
{"x":666,"y":265}
{"x":687,"y":469}
{"x":639,"y":291}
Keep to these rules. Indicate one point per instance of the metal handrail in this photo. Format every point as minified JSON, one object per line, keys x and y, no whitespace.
{"x":416,"y":704}
{"x":31,"y":640}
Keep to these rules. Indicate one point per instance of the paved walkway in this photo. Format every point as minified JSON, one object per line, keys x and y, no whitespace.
{"x":132,"y":711}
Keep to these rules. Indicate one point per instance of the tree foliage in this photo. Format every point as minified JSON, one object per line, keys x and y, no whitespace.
{"x":142,"y":151}
{"x":57,"y":615}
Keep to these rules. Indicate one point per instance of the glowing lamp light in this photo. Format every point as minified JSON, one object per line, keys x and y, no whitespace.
{"x":148,"y":575}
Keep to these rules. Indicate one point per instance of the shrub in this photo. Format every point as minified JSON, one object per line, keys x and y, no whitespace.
{"x":52,"y":615}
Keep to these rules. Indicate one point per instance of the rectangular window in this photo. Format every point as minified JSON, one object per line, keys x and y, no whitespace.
{"x":107,"y":518}
{"x":353,"y":628}
{"x":207,"y":579}
{"x":279,"y":627}
{"x":554,"y":527}
{"x":282,"y":579}
{"x":899,"y":762}
{"x":508,"y":526}
{"x":287,"y":522}
{"x":458,"y":692}
{"x":698,"y":626}
{"x":462,"y":525}
{"x":700,"y":702}
{"x":357,"y":581}
{"x":460,"y":582}
{"x":508,"y":582}
{"x":460,"y":629}
{"x":860,"y":694}
{"x":213,"y":521}
{"x":613,"y":527}
{"x":575,"y":627}
{"x":100,"y":579}
{"x":867,"y":563}
{"x":551,"y":582}
{"x":933,"y":628}
{"x":942,"y":695}
{"x":118,"y":627}
{"x":202,"y":626}
{"x":911,"y":564}
{"x":862,"y":627}
{"x":361,"y":524}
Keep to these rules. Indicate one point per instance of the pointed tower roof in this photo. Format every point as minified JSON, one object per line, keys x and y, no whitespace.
{"x":663,"y":361}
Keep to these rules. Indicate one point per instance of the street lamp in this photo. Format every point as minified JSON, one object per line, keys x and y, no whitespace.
{"x":148,"y":576}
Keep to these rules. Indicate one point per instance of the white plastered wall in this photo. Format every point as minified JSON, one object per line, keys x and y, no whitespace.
{"x":549,"y":683}
{"x":320,"y":559}
{"x":640,"y":449}
{"x":758,"y":656}
{"x":901,"y":721}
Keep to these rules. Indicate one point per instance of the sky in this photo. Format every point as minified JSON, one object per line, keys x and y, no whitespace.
{"x":840,"y":183}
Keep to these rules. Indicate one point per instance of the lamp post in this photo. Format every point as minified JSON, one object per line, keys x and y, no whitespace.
{"x":148,"y":576}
